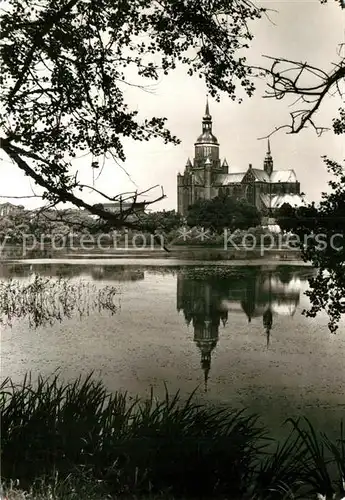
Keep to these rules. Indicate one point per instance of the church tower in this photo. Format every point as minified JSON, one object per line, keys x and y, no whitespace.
{"x":206,"y":146}
{"x":268,"y":161}
{"x":198,"y":179}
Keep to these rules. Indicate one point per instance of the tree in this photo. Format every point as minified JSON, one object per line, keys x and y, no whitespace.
{"x":162,"y":221}
{"x":292,"y":218}
{"x":223,"y":212}
{"x":286,"y":217}
{"x":43,"y":224}
{"x":321,"y":234}
{"x":65,"y":68}
{"x":320,"y":227}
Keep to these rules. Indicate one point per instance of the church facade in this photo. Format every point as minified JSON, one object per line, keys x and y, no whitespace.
{"x":207,"y":177}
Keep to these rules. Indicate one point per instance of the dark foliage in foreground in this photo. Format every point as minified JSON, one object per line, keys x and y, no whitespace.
{"x":83,"y":435}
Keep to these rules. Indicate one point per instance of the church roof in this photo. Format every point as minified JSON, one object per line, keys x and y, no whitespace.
{"x":226,"y":179}
{"x":290,"y":289}
{"x":283,"y":176}
{"x":260,"y":175}
{"x":279,"y":200}
{"x":207,"y":138}
{"x":282,"y":309}
{"x":276,"y":176}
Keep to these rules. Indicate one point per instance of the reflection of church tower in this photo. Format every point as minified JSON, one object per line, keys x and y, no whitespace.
{"x":200,"y":303}
{"x":206,"y":335}
{"x":268,"y":316}
{"x":248,"y":302}
{"x":264,"y":293}
{"x":268,"y":323}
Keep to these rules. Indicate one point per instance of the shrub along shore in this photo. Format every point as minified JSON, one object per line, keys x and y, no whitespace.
{"x":75,"y":440}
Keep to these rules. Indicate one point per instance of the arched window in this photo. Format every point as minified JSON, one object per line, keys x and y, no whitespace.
{"x":207,"y":151}
{"x":249,"y":193}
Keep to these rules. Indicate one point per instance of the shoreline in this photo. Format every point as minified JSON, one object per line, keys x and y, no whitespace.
{"x":177,"y":254}
{"x":161,"y":262}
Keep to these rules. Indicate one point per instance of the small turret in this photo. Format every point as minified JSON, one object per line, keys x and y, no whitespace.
{"x":207,"y":110}
{"x":268,"y":162}
{"x":189,"y":163}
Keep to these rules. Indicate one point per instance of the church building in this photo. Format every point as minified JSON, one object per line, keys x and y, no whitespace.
{"x":207,"y":177}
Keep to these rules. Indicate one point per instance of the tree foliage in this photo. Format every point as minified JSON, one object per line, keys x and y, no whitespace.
{"x":43,"y":224}
{"x":66,"y":65}
{"x":223,"y":212}
{"x":291,"y":218}
{"x":321,"y":232}
{"x":165,"y":221}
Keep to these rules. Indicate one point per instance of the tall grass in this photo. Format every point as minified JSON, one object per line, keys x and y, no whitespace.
{"x":83,"y":435}
{"x":45,"y":300}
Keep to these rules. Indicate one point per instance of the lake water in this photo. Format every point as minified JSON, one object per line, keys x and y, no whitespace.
{"x":236,"y":332}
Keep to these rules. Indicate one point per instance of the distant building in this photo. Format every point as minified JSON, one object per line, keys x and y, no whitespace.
{"x":207,"y":177}
{"x":8,"y":208}
{"x":135,"y":210}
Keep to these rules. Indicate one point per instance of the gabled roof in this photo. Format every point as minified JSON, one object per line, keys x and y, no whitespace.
{"x":276,"y":176}
{"x":226,"y":179}
{"x":260,"y":175}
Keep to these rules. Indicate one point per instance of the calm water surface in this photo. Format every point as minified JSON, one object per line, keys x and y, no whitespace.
{"x":236,"y":333}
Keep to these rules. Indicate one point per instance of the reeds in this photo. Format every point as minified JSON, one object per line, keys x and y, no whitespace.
{"x":70,"y":435}
{"x":43,"y":301}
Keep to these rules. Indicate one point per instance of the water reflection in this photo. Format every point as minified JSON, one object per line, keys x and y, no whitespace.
{"x":207,"y":295}
{"x":96,"y":272}
{"x":116,"y":273}
{"x":210,"y":300}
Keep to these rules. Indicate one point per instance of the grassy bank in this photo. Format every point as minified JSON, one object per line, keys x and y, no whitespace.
{"x":74,"y":440}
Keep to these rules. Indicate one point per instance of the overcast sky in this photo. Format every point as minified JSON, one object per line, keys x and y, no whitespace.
{"x":301,"y":30}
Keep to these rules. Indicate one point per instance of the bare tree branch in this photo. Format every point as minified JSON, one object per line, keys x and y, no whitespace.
{"x":286,"y":79}
{"x":66,"y":196}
